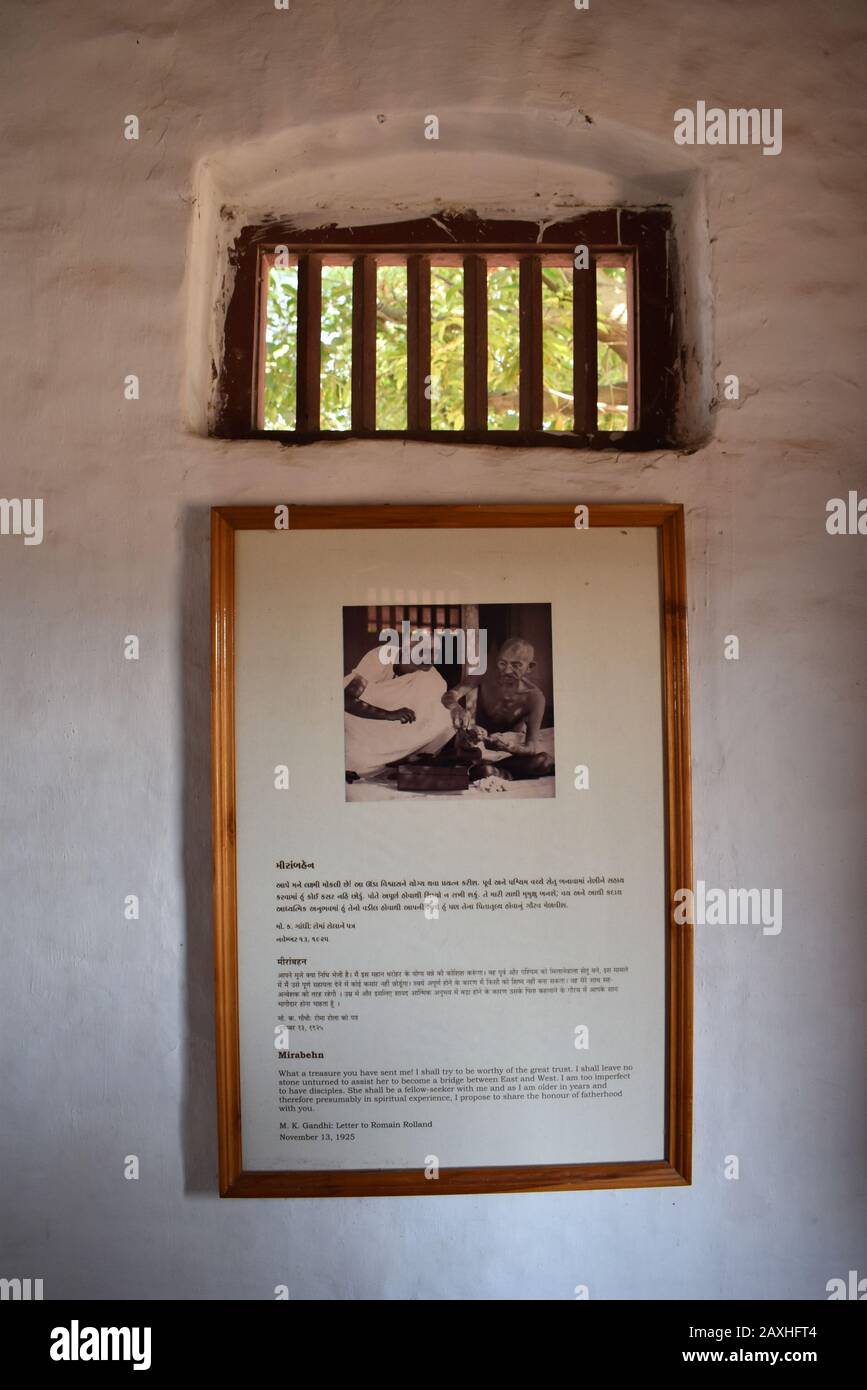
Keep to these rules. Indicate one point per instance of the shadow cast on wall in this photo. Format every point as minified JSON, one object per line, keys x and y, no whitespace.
{"x":198,"y":1117}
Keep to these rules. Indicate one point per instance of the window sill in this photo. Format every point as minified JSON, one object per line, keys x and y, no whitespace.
{"x":621,"y":441}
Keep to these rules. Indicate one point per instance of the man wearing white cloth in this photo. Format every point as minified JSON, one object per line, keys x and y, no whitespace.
{"x":390,"y":712}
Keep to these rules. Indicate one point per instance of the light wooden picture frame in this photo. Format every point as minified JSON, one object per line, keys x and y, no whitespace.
{"x":675,"y":1167}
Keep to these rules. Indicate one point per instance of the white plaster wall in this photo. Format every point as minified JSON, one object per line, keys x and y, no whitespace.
{"x":111,"y":266}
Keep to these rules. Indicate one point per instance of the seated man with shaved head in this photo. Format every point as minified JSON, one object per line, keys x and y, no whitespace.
{"x":508,"y":715}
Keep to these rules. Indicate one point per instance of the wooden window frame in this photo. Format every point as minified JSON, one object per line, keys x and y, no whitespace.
{"x":645,"y":236}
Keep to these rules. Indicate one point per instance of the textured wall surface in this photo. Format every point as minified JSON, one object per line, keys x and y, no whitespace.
{"x":113,"y":264}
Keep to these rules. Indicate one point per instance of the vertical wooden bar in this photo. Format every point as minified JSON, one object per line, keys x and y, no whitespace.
{"x":364,"y":345}
{"x":266,"y":261}
{"x":418,"y":341}
{"x":530,"y":318}
{"x":475,"y":343}
{"x":631,"y":344}
{"x":585,"y":376}
{"x":309,"y":339}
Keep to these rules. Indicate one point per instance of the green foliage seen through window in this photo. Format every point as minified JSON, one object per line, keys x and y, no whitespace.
{"x":447,"y":317}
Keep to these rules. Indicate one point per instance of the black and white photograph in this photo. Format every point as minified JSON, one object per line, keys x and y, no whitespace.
{"x":448,"y":700}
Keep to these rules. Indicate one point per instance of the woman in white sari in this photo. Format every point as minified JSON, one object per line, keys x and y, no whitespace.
{"x":391,"y":712}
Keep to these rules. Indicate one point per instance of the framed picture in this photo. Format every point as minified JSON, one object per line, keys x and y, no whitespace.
{"x":451,"y":814}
